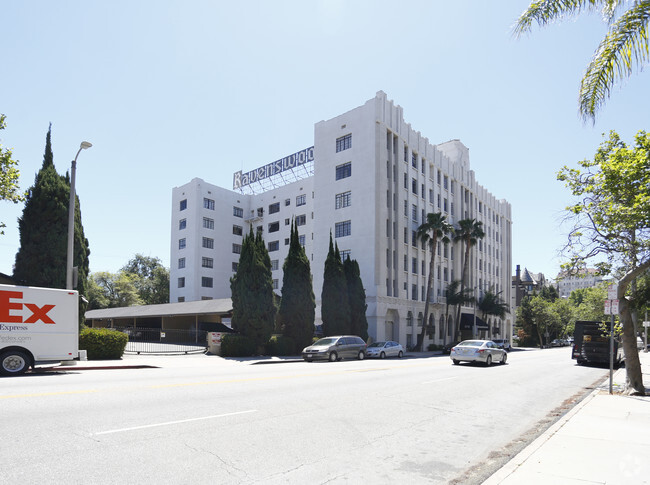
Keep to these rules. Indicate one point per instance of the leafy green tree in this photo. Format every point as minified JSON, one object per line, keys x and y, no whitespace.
{"x":151,"y":278}
{"x":492,"y":304}
{"x":254,"y":310}
{"x":456,"y":296}
{"x":8,"y":175}
{"x":611,"y":224}
{"x":624,"y":48}
{"x":335,"y":306}
{"x":356,"y":298}
{"x":42,"y":256}
{"x":589,"y":303}
{"x":112,"y":290}
{"x":468,"y":232}
{"x":435,"y":228}
{"x":297,"y":307}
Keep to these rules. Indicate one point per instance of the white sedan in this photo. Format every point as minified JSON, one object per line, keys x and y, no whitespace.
{"x":385,"y":349}
{"x":484,"y":351}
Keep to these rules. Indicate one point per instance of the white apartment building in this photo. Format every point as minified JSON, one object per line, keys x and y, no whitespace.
{"x":585,"y":279}
{"x":369,"y":180}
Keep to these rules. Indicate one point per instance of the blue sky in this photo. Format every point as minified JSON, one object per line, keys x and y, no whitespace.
{"x":171,"y":90}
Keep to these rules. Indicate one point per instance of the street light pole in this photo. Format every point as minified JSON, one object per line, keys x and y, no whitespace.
{"x":71,"y":211}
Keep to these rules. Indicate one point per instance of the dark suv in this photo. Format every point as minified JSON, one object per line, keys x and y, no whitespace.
{"x":336,"y":348}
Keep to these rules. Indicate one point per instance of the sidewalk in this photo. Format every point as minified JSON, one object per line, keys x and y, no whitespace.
{"x":605,"y":439}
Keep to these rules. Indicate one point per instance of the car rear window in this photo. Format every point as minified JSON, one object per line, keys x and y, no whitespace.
{"x":472,"y":343}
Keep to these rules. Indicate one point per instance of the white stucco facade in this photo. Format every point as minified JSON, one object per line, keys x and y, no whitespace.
{"x":374,"y":180}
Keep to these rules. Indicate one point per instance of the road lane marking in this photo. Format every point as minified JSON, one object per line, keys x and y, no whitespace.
{"x":169,"y":423}
{"x":438,"y":380}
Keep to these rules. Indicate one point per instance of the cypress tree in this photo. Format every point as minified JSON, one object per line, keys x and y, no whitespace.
{"x":252,"y":292}
{"x":356,"y":298}
{"x":297,"y":307}
{"x":42,"y":256}
{"x":335,"y":307}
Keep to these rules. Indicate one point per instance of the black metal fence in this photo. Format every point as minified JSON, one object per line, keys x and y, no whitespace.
{"x":159,"y":341}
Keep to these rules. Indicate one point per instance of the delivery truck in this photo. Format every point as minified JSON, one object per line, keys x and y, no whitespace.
{"x":591,"y":345}
{"x":37,"y":326}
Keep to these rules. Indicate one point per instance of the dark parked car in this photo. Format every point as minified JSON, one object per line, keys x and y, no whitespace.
{"x":446,"y":349}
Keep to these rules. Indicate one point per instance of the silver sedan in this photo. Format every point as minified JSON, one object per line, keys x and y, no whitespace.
{"x":484,"y":351}
{"x":385,"y":349}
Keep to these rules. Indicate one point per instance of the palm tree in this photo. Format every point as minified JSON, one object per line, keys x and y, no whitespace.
{"x":492,"y":304}
{"x":624,"y":48}
{"x":436,"y":227}
{"x":456,"y":296}
{"x":469,"y":231}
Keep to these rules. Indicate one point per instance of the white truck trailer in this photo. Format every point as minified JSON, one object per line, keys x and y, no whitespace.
{"x":37,"y":326}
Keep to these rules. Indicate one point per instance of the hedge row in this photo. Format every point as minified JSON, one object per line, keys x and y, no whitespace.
{"x":102,"y":343}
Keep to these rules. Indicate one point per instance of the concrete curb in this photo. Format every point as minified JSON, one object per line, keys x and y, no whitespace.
{"x":513,"y":465}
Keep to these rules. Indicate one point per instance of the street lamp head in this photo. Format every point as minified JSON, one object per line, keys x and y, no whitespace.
{"x":85,"y":144}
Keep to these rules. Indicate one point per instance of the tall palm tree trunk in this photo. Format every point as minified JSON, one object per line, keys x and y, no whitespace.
{"x":420,"y":341}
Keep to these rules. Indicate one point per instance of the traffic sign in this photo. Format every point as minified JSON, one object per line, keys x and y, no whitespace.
{"x":608,"y":307}
{"x":646,"y":324}
{"x":612,"y":292}
{"x":614,"y":307}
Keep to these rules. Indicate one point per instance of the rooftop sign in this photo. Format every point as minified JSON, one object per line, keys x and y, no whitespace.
{"x":287,"y":163}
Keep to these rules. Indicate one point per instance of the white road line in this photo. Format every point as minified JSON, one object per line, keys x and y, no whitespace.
{"x":438,"y":380}
{"x":174,"y":422}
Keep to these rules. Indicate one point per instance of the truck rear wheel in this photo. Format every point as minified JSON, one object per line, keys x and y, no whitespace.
{"x":13,"y":363}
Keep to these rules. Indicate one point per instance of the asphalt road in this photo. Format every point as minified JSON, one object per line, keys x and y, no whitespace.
{"x":207,"y":420}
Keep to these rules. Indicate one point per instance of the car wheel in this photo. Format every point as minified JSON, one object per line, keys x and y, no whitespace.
{"x":333,"y":357}
{"x":456,"y":362}
{"x":382,"y":355}
{"x":488,"y":361}
{"x":361,"y":355}
{"x":504,"y":359}
{"x":14,"y":363}
{"x":400,"y":355}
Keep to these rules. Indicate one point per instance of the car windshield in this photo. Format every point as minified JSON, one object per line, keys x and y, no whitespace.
{"x":471,"y":343}
{"x":325,"y":341}
{"x":377,"y":344}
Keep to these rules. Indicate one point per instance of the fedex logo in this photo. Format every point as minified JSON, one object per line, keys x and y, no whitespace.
{"x":9,"y":303}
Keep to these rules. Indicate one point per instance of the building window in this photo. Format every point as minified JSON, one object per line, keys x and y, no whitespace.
{"x":207,"y":263}
{"x":343,"y":143}
{"x":181,"y":263}
{"x":260,"y":212}
{"x":274,"y":246}
{"x":445,"y":182}
{"x":259,"y":229}
{"x":301,"y":240}
{"x":286,"y":222}
{"x":344,"y":171}
{"x":182,"y":224}
{"x":237,"y":212}
{"x":275,"y":284}
{"x":274,"y":265}
{"x":181,"y":299}
{"x":273,"y":208}
{"x":237,"y":230}
{"x":301,"y":220}
{"x":343,"y":200}
{"x":414,"y":292}
{"x":342,"y":229}
{"x":345,"y":254}
{"x":236,"y":248}
{"x":274,"y":227}
{"x":183,"y":204}
{"x":301,"y":200}
{"x":414,"y":160}
{"x":206,"y":282}
{"x":286,"y":241}
{"x":287,"y":202}
{"x":208,"y":223}
{"x":208,"y":204}
{"x":414,"y":186}
{"x":414,"y":212}
{"x":181,"y":243}
{"x":414,"y":265}
{"x":181,"y":282}
{"x":208,"y":243}
{"x":234,"y":267}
